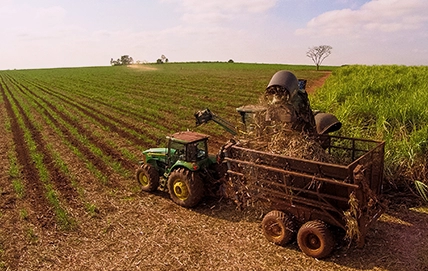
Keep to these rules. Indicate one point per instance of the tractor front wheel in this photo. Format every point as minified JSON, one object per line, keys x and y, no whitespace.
{"x":148,"y":177}
{"x":185,"y":187}
{"x":315,"y":239}
{"x":278,"y":227}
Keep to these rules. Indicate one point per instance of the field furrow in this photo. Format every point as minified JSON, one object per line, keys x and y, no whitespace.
{"x":114,"y":124}
{"x":137,"y":121}
{"x":86,"y":133}
{"x":11,"y":189}
{"x":41,"y":212}
{"x":58,"y":189}
{"x":81,"y":139}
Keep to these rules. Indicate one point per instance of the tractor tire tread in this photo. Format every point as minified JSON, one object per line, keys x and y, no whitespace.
{"x":322,"y":232}
{"x":194,"y":184}
{"x":286,"y":224}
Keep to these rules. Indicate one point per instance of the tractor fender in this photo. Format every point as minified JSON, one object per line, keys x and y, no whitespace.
{"x":187,"y":165}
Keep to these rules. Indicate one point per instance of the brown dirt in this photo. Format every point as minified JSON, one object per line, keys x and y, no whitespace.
{"x":314,"y":85}
{"x":141,"y":67}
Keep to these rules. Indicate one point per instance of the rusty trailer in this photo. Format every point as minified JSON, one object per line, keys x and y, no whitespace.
{"x":306,"y":197}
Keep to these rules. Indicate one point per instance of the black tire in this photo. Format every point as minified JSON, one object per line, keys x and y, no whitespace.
{"x":279,"y":228}
{"x":148,"y":178}
{"x":185,"y":188}
{"x":315,"y":239}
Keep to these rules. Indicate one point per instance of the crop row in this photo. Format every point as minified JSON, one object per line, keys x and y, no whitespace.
{"x":81,"y":130}
{"x":43,"y":130}
{"x":162,"y":101}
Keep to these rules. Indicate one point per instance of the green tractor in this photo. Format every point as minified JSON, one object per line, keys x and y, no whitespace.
{"x":181,"y":168}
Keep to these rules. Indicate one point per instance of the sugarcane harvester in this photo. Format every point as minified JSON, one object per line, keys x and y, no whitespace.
{"x":285,"y":104}
{"x":303,"y":198}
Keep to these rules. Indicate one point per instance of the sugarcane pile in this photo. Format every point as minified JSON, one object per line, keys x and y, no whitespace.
{"x":287,"y":142}
{"x":281,"y":124}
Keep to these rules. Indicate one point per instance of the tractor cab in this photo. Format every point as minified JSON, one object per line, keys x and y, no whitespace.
{"x":187,"y":147}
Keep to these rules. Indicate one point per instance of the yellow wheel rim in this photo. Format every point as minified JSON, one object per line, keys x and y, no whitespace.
{"x":181,"y":190}
{"x":274,"y":230}
{"x":144,"y":180}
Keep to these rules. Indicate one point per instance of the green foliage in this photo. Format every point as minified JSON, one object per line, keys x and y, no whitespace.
{"x":32,"y":236}
{"x":15,"y":175}
{"x":23,"y":214}
{"x":386,"y":103}
{"x":123,"y":60}
{"x":159,"y":99}
{"x":91,"y":209}
{"x":19,"y":188}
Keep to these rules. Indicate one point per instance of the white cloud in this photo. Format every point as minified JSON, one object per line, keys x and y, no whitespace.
{"x":376,"y":16}
{"x":220,"y":11}
{"x":228,"y":6}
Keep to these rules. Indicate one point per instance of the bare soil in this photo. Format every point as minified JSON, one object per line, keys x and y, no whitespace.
{"x":313,"y":85}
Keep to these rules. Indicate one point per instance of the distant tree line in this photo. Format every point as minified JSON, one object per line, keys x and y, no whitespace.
{"x":162,"y":59}
{"x":127,"y":60}
{"x":123,"y":60}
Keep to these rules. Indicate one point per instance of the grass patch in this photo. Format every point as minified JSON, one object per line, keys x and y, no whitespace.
{"x":23,"y":214}
{"x":19,"y":188}
{"x":385,"y":103}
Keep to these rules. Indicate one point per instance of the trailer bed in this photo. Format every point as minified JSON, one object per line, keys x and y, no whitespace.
{"x":342,"y":193}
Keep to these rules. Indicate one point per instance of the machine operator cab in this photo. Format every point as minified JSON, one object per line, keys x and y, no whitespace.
{"x":187,"y":146}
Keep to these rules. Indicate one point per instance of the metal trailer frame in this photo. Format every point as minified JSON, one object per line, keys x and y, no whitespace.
{"x":312,"y":190}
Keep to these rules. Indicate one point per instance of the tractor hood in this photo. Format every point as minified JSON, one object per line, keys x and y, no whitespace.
{"x":155,"y":154}
{"x":154,"y":151}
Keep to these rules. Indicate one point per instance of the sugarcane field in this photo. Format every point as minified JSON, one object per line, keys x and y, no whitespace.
{"x":214,"y":166}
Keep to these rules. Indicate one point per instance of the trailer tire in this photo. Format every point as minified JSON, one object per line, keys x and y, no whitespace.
{"x":315,"y":239}
{"x":279,"y":228}
{"x":148,"y":177}
{"x":185,"y":188}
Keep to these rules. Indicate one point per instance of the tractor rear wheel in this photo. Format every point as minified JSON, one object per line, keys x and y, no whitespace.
{"x":278,"y":227}
{"x":315,"y":239}
{"x":148,"y":177}
{"x":185,"y":187}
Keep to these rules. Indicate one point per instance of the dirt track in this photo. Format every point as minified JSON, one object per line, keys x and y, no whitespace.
{"x":311,"y":88}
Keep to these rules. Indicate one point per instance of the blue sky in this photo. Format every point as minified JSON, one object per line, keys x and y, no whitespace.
{"x":67,"y":33}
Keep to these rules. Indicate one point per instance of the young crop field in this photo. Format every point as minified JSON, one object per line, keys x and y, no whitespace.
{"x":71,"y":141}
